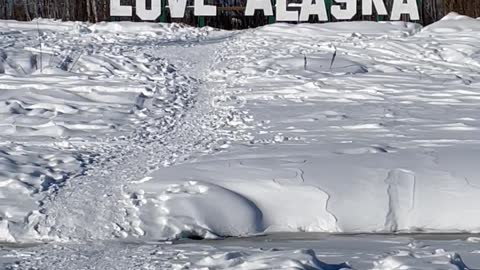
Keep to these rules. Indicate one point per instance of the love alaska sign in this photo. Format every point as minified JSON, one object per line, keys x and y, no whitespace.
{"x":340,"y":9}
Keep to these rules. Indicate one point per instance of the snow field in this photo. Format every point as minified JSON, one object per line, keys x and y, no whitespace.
{"x":152,"y":132}
{"x":385,"y":115}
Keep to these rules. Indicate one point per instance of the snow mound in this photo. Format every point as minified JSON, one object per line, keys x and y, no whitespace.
{"x":274,"y":202}
{"x":453,"y":24}
{"x":195,"y":210}
{"x":454,"y":16}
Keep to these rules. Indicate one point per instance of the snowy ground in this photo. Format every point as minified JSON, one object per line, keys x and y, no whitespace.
{"x":119,"y":136}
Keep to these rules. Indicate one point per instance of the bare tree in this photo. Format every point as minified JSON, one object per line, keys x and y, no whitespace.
{"x":25,"y":9}
{"x":2,"y":9}
{"x":67,"y":10}
{"x":89,"y":10}
{"x":95,"y":11}
{"x":9,"y":7}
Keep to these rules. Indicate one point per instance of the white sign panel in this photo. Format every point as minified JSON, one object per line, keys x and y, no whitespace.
{"x":340,"y":9}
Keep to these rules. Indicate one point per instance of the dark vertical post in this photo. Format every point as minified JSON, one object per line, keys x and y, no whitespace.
{"x":201,"y":21}
{"x":380,"y":18}
{"x":163,"y":17}
{"x":328,"y":5}
{"x":420,"y":10}
{"x":272,"y":19}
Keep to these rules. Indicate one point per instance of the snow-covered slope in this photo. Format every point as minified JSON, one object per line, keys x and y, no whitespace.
{"x":158,"y":131}
{"x":147,"y":132}
{"x":75,"y":97}
{"x":356,"y":127}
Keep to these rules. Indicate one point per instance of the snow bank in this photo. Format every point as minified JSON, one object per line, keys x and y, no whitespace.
{"x":356,"y":129}
{"x":453,"y":23}
{"x":316,"y":193}
{"x":266,"y":206}
{"x":199,"y":209}
{"x":461,"y":29}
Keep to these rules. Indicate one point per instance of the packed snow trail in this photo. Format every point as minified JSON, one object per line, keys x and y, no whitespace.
{"x":160,"y":107}
{"x":180,"y":120}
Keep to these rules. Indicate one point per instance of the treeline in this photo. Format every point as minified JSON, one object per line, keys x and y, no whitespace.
{"x":68,"y":10}
{"x":99,"y":10}
{"x":467,"y":7}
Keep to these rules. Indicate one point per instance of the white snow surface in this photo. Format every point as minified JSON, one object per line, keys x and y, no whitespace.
{"x":152,"y":132}
{"x":306,"y":252}
{"x":384,"y":138}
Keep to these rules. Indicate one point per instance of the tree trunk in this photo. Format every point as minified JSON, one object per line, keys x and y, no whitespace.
{"x":67,"y":9}
{"x":89,"y":18}
{"x":8,"y":9}
{"x":25,"y":9}
{"x":95,"y":10}
{"x":35,"y":9}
